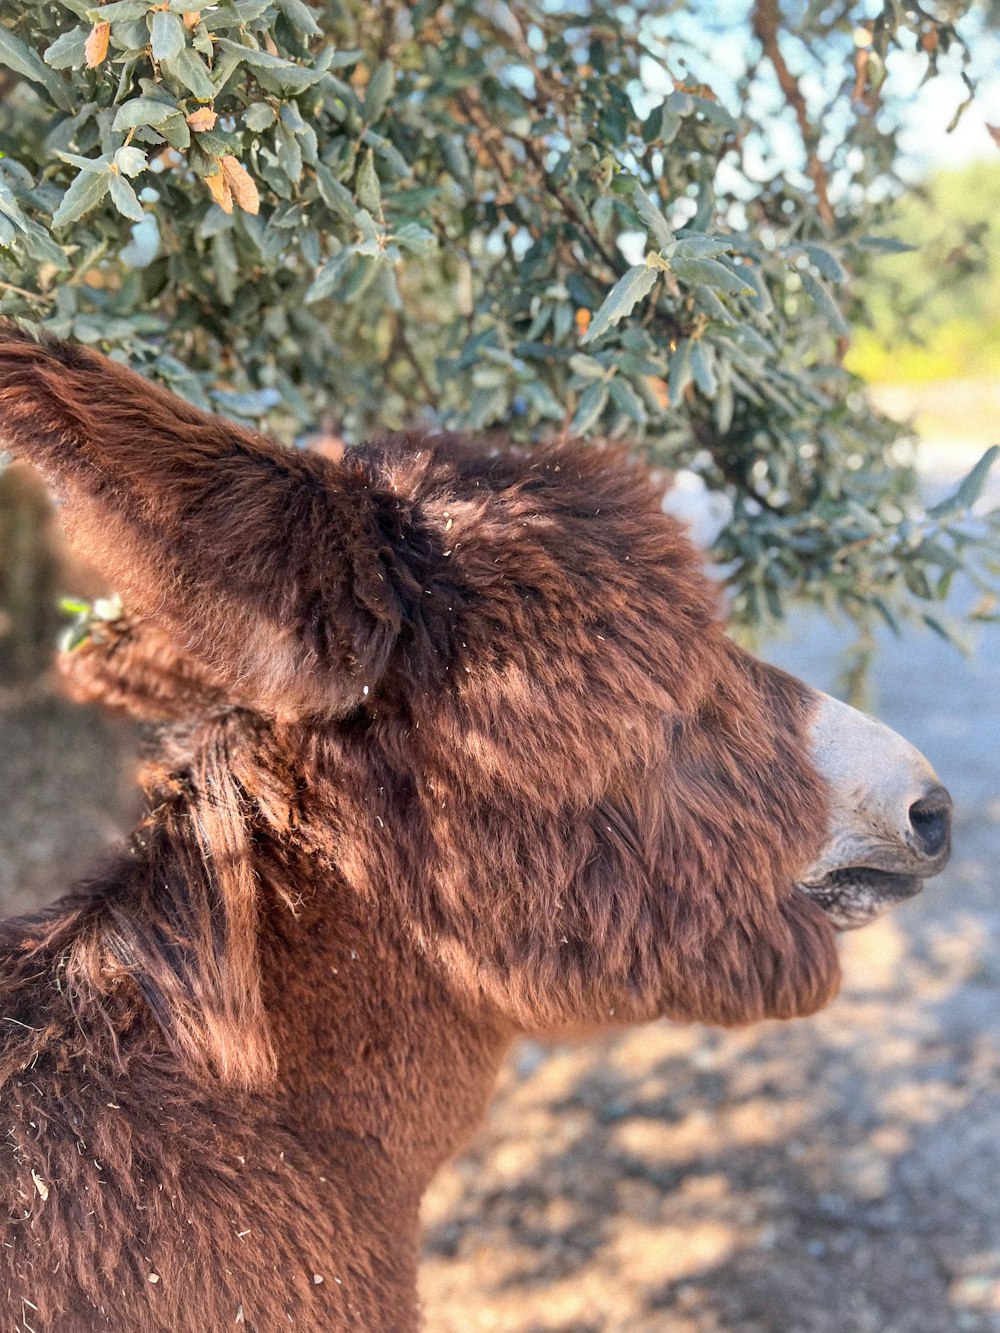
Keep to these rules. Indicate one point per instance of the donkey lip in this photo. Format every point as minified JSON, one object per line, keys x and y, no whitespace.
{"x":854,"y":895}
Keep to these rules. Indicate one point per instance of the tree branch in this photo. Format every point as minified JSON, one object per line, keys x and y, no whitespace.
{"x":766,"y":24}
{"x":710,"y":442}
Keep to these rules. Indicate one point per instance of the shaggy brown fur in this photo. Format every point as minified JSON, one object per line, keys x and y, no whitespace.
{"x":452,"y":746}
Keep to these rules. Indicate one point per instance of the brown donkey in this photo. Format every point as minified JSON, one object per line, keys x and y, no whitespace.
{"x":451,"y":745}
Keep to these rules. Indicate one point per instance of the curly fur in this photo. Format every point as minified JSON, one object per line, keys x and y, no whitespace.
{"x":451,"y":745}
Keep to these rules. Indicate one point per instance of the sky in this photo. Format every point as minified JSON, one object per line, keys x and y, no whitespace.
{"x":721,"y":41}
{"x":925,"y":141}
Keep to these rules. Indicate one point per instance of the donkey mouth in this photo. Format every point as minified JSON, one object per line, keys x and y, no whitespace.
{"x":854,"y":895}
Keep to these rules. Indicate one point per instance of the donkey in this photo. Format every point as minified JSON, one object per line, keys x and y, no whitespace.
{"x":447,"y":745}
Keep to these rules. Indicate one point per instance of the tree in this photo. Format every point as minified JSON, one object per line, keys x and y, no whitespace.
{"x":619,"y":221}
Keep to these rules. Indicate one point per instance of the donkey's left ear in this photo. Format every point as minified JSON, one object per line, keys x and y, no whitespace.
{"x":274,"y":567}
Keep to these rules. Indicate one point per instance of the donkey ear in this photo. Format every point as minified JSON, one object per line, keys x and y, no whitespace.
{"x":269,"y":565}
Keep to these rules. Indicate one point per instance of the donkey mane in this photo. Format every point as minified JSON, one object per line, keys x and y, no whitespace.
{"x":173,"y":919}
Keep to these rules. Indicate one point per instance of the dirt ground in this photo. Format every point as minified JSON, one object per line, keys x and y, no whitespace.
{"x":838,"y":1175}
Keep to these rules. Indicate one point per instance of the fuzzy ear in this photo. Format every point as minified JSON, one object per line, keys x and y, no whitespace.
{"x":267,"y":564}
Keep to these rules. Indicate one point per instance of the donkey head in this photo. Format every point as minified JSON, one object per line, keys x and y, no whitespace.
{"x":496,"y":690}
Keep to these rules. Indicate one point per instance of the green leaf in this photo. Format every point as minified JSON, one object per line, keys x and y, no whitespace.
{"x":486,"y":407}
{"x":176,"y":132}
{"x":378,"y":92}
{"x":761,"y":300}
{"x":67,"y":51}
{"x":937,"y":626}
{"x":289,"y":152}
{"x":361,"y":275}
{"x":542,"y":399}
{"x":418,"y":240}
{"x":259,"y":116}
{"x":300,"y":17}
{"x":653,"y":220}
{"x":329,"y":276}
{"x":586,"y":367}
{"x":702,"y":368}
{"x":681,"y":372}
{"x":886,"y":245}
{"x":84,"y":193}
{"x":601,"y":211}
{"x":456,"y":159}
{"x":692,"y":246}
{"x":334,"y":194}
{"x":970,"y":489}
{"x":77,"y":7}
{"x":712,"y":274}
{"x":249,"y":10}
{"x":97,"y":164}
{"x":19,"y":57}
{"x":725,"y":403}
{"x":118,"y":10}
{"x":626,"y":398}
{"x":627,"y":292}
{"x":593,"y":401}
{"x":130,"y":161}
{"x":287,"y":73}
{"x":824,"y":303}
{"x":166,"y":33}
{"x":124,"y":198}
{"x":11,"y":208}
{"x":367,"y":186}
{"x":828,"y":264}
{"x":707,"y":301}
{"x":661,"y":125}
{"x":393,"y":161}
{"x":143,"y":111}
{"x":190,"y":71}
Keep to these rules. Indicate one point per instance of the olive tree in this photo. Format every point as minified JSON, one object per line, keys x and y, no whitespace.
{"x":626,"y":222}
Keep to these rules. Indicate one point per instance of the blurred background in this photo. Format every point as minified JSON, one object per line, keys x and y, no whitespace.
{"x":840,"y":1175}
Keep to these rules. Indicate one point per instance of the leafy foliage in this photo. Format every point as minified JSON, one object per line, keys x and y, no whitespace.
{"x":481,"y":215}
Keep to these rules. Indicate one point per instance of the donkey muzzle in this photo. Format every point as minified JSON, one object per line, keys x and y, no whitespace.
{"x":890,"y":817}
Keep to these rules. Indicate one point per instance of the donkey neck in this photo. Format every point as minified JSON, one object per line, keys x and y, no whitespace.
{"x":370,"y":1042}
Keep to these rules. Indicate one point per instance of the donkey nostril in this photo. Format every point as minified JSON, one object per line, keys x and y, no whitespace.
{"x":930,"y":820}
